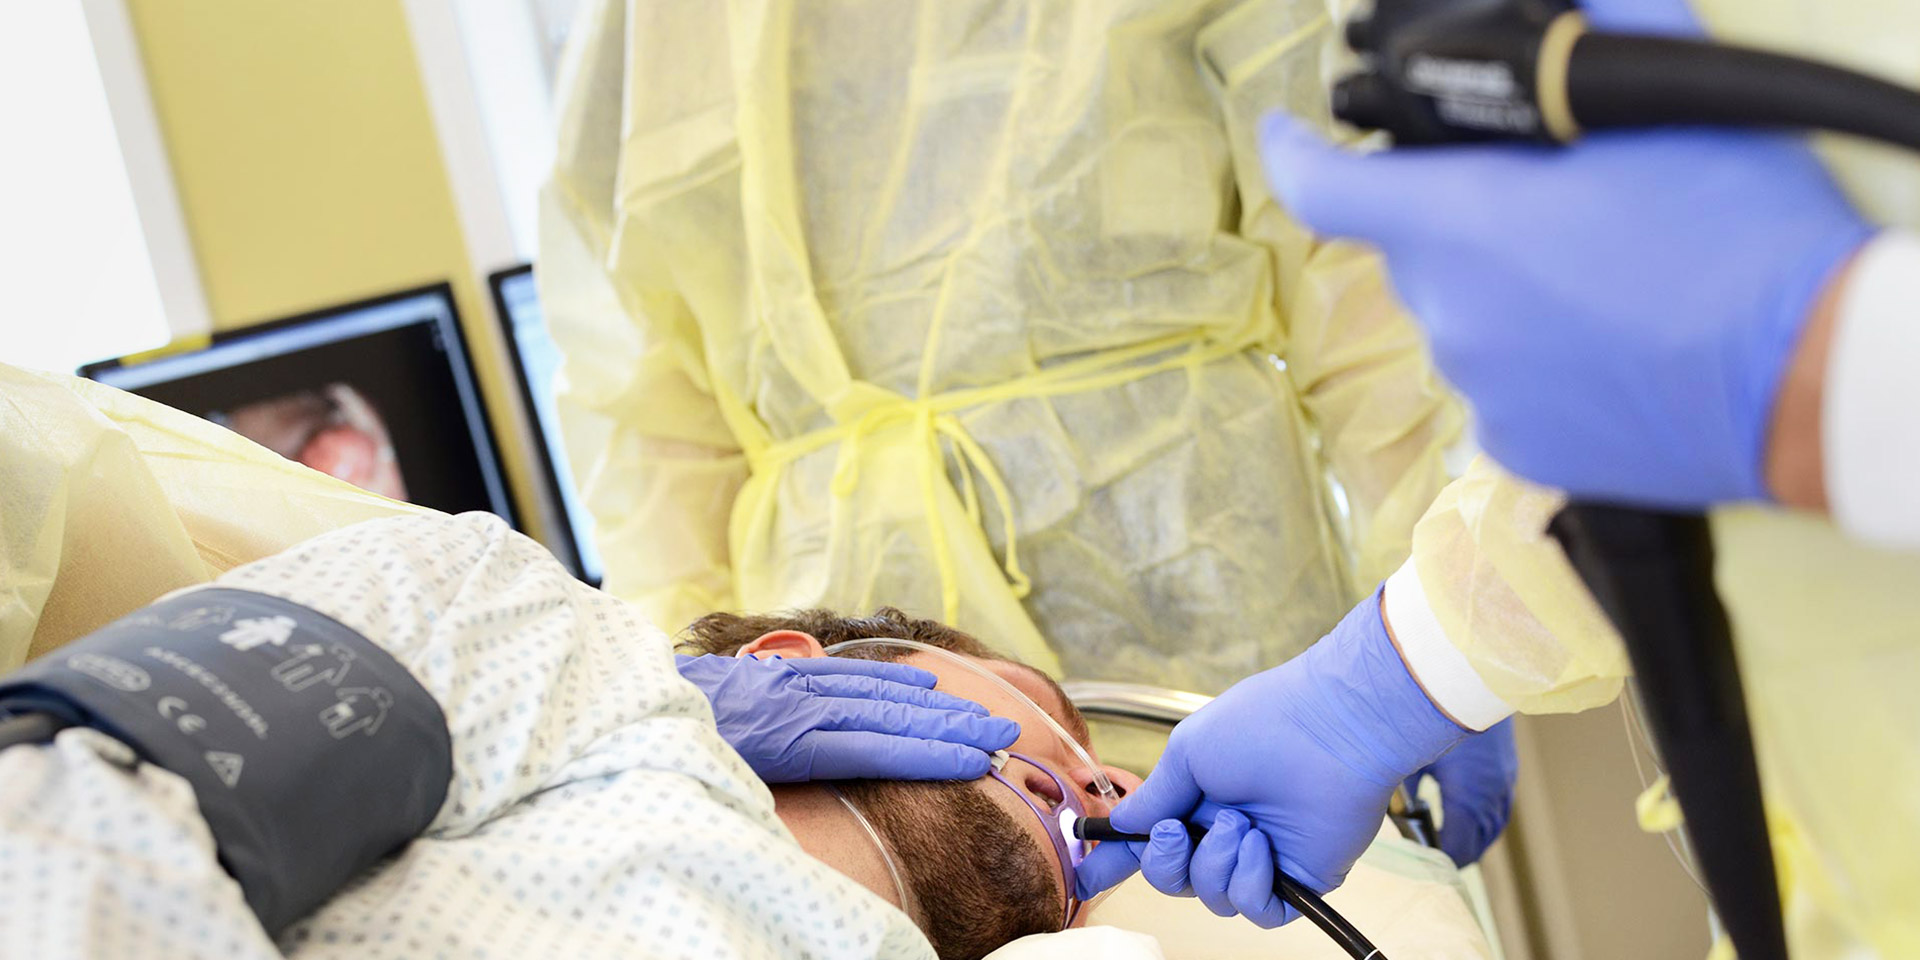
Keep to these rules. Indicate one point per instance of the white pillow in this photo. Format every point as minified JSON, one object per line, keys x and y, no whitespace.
{"x":1112,"y":943}
{"x":1407,"y":899}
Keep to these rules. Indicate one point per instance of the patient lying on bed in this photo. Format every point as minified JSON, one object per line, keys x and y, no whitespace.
{"x":980,"y":871}
{"x":978,"y":866}
{"x":597,"y":811}
{"x":594,"y":810}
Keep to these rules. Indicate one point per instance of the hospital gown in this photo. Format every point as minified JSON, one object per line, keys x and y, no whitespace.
{"x":594,"y":810}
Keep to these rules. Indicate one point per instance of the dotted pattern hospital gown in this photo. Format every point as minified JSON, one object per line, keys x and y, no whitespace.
{"x":594,"y":810}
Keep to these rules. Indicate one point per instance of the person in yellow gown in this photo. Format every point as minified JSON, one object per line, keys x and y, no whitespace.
{"x":983,"y":310}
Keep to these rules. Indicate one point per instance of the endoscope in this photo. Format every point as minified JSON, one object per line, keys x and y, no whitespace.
{"x":1297,"y":895}
{"x":1451,"y":71}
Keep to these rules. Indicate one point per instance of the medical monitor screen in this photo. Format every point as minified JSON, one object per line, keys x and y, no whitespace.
{"x":380,"y":394}
{"x":537,"y":360}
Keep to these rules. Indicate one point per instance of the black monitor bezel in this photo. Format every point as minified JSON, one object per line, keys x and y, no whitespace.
{"x":566,"y":545}
{"x":453,"y":333}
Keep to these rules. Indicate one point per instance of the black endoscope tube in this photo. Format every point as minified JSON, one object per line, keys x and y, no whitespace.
{"x":1295,"y":893}
{"x":1622,"y":80}
{"x":1652,"y":572}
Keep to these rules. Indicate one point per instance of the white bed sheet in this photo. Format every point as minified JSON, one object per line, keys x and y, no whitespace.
{"x":1407,"y":899}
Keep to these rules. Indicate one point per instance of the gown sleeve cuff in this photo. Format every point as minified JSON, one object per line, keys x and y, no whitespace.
{"x":1441,"y":669}
{"x":1872,"y":463}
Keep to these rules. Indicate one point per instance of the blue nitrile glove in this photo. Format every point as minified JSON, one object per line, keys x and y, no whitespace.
{"x":1620,"y":312}
{"x":829,"y":718}
{"x":1294,"y":764}
{"x":1476,"y":791}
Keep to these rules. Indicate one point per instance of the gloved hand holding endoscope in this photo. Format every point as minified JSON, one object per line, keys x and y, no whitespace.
{"x":1293,"y":765}
{"x":1621,"y":310}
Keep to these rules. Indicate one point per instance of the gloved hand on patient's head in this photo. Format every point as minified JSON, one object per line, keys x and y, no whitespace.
{"x":1476,"y":791}
{"x":1292,"y":767}
{"x":838,"y":719}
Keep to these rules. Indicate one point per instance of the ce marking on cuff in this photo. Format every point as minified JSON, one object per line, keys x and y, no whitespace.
{"x":175,"y":709}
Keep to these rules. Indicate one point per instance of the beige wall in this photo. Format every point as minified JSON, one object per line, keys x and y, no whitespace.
{"x":308,"y":168}
{"x":1577,"y":878}
{"x":303,"y":151}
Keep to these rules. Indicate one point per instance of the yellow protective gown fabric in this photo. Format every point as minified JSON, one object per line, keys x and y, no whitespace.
{"x":1503,"y":592}
{"x":1830,"y":657}
{"x":108,"y":500}
{"x":981,"y":309}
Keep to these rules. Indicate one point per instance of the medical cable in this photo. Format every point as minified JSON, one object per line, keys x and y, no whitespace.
{"x":1452,"y":71}
{"x":1104,"y":786}
{"x":1618,"y":81}
{"x":1531,"y":70}
{"x":886,"y":856}
{"x":1295,"y":893}
{"x":1652,"y":573}
{"x":1413,"y":817}
{"x":1639,"y":741}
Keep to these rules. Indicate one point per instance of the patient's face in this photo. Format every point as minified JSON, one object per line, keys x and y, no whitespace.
{"x":1037,"y":742}
{"x":981,"y":866}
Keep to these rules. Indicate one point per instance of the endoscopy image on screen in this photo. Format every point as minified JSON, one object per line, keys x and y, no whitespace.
{"x":380,"y":395}
{"x":334,"y":429}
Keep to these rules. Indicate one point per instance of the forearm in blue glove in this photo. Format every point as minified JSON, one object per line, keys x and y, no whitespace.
{"x":830,"y":718}
{"x":1620,"y":312}
{"x":1290,"y":768}
{"x":1476,"y":791}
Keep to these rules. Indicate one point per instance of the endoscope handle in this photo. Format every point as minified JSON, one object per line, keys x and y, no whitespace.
{"x":1297,"y":895}
{"x":1451,"y":71}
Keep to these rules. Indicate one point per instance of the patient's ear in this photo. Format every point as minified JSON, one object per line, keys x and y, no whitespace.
{"x":791,"y":644}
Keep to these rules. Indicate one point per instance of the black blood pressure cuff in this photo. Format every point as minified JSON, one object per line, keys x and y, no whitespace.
{"x":312,"y":752}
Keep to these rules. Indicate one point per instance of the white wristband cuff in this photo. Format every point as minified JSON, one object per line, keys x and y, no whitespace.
{"x":1436,"y":664}
{"x":1872,"y":462}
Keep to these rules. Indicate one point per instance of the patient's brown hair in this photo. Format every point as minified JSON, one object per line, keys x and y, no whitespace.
{"x":723,"y":634}
{"x":974,"y":873}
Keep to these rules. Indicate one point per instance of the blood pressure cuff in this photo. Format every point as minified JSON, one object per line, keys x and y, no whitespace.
{"x":312,"y":752}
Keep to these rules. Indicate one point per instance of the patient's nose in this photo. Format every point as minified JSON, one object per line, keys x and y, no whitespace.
{"x":1123,"y":784}
{"x":1124,"y":781}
